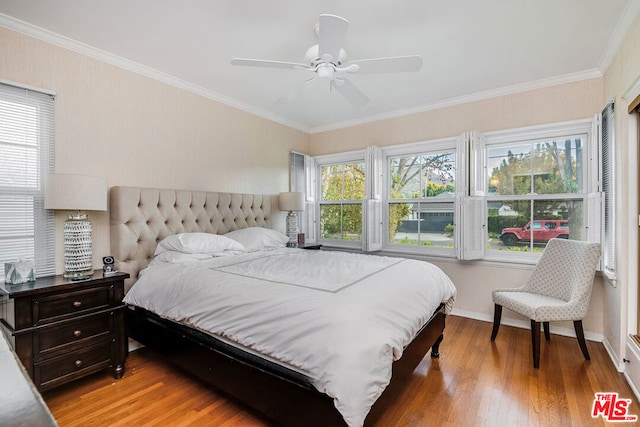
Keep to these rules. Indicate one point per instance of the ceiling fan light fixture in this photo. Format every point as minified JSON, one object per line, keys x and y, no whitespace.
{"x":325,"y":71}
{"x":312,"y":57}
{"x":328,"y":60}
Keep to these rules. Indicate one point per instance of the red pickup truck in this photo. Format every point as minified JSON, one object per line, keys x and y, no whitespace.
{"x":542,"y":230}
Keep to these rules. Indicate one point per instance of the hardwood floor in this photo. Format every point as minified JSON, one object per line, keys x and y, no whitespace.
{"x":474,"y":383}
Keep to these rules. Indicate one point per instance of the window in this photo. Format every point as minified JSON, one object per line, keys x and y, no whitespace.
{"x":420,"y":200}
{"x":341,"y":201}
{"x":499,"y":196}
{"x":27,"y":231}
{"x":538,"y":186}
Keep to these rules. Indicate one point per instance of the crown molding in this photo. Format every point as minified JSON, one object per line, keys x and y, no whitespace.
{"x":478,"y":96}
{"x":623,"y":26}
{"x":631,"y":10}
{"x":126,"y":64}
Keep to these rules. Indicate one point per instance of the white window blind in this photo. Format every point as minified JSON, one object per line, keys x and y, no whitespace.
{"x":27,"y":230}
{"x":607,"y":143}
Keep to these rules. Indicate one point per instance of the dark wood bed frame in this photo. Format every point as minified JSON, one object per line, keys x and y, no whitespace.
{"x":141,"y":217}
{"x":279,"y":393}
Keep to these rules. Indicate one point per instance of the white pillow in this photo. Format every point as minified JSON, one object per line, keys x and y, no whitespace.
{"x":258,"y":238}
{"x":175,"y":257}
{"x":199,"y":243}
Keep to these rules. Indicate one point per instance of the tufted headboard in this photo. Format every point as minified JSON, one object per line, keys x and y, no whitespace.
{"x":141,"y":217}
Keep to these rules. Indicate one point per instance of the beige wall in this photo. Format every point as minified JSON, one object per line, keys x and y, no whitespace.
{"x":476,"y":280}
{"x":622,"y":75}
{"x":137,"y":131}
{"x":555,"y":104}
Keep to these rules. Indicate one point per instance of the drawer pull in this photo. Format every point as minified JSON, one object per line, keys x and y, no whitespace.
{"x":77,"y":304}
{"x":77,"y":333}
{"x":78,"y":363}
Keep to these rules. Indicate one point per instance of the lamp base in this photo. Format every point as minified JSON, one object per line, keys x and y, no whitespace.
{"x":292,"y":229}
{"x":78,"y":247}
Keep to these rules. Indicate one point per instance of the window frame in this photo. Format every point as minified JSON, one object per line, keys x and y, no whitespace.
{"x":555,"y":131}
{"x":43,"y":220}
{"x":334,"y":160}
{"x":422,"y":148}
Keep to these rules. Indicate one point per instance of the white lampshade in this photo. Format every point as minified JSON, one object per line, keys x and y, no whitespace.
{"x":70,"y":192}
{"x":291,"y":201}
{"x":75,"y":192}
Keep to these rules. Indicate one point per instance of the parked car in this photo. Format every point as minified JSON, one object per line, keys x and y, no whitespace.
{"x":543,"y":231}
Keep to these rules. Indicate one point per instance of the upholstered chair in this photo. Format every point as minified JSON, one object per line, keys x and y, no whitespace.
{"x":558,"y":289}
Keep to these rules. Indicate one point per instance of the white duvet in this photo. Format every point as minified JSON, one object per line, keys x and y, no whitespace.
{"x":340,"y":318}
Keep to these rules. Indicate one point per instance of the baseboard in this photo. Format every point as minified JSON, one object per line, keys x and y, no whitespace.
{"x":525,"y":324}
{"x":613,"y":355}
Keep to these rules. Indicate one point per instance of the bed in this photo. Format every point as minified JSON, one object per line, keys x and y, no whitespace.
{"x":313,"y":337}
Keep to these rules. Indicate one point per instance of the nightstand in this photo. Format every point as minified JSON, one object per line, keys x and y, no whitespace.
{"x":62,"y":330}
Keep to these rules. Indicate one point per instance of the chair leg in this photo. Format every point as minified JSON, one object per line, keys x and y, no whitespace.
{"x":547,"y":335}
{"x":577,"y":324}
{"x":535,"y":343}
{"x":497,"y":315}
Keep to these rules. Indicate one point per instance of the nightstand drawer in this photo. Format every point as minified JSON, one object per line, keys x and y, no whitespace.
{"x":71,"y":335}
{"x":69,"y":304}
{"x":73,"y":365}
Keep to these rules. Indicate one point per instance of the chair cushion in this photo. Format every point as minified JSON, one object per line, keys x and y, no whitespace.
{"x":540,"y":308}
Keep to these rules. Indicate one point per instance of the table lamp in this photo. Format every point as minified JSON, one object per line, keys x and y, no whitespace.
{"x":292,"y":202}
{"x":78,"y":193}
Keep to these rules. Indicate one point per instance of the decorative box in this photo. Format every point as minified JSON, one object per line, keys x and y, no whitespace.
{"x":20,"y":271}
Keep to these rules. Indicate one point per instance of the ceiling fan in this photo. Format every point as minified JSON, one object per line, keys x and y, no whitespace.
{"x":328,"y":60}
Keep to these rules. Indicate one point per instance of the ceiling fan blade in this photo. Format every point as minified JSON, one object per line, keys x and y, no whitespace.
{"x":297,"y":91}
{"x":269,"y":64}
{"x":331,"y":33}
{"x":394,"y":64}
{"x":351,"y":92}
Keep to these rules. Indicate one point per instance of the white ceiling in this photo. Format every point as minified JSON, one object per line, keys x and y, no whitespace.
{"x":471,"y":49}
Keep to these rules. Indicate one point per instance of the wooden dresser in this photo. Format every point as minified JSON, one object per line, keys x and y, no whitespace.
{"x":63,"y":330}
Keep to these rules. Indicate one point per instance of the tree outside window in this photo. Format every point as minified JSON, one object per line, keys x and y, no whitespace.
{"x":428,"y":181}
{"x":342,"y":188}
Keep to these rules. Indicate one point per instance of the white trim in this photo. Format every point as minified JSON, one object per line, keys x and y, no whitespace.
{"x":633,"y":222}
{"x":28,"y":87}
{"x":507,"y":136}
{"x":430,"y":146}
{"x":613,"y":355}
{"x":338,"y":158}
{"x":632,"y":92}
{"x":619,"y":33}
{"x":631,"y":370}
{"x":126,"y":64}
